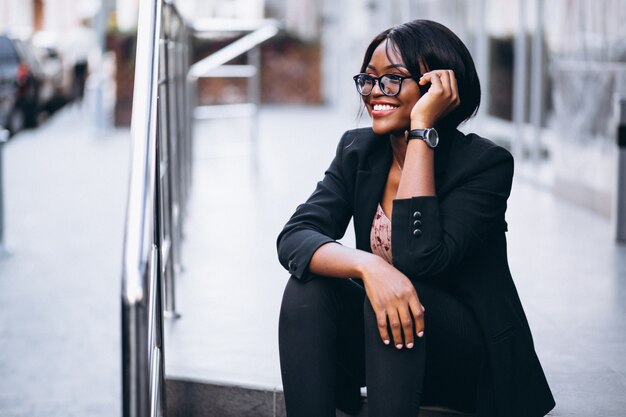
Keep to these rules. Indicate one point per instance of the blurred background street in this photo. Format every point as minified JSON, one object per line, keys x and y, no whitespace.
{"x":265,"y":127}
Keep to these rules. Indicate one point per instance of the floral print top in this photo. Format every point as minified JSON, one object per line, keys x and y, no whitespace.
{"x":380,"y":235}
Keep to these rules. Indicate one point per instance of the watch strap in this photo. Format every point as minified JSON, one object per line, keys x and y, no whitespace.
{"x":416,"y":134}
{"x":428,"y":135}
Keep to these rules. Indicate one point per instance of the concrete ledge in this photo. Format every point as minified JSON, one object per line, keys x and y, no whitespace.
{"x":187,"y":398}
{"x":583,"y":195}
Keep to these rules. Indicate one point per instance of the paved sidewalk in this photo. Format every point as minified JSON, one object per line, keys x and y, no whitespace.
{"x":570,"y":274}
{"x":65,"y":196}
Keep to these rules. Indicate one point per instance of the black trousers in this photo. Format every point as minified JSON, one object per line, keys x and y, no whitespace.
{"x":329,"y":346}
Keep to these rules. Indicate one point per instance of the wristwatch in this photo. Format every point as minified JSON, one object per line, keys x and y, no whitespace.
{"x":430,"y":136}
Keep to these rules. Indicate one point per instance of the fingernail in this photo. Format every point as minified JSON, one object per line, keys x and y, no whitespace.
{"x":386,"y":342}
{"x":399,"y":346}
{"x":420,"y":334}
{"x":410,"y":345}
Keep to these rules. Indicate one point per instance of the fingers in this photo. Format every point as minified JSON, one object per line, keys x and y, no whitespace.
{"x":381,"y":322}
{"x":449,"y":81}
{"x":443,"y":83}
{"x":433,"y":78}
{"x":398,"y":311}
{"x":404,"y":322}
{"x":407,"y":326}
{"x":444,"y":77}
{"x":417,"y":310}
{"x":396,"y":328}
{"x":454,"y":88}
{"x":443,"y":96}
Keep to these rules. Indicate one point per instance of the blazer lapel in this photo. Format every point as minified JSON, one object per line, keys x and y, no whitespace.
{"x":369,"y":187}
{"x":372,"y":177}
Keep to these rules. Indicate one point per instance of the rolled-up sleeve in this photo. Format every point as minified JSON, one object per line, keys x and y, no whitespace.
{"x":429,"y":236}
{"x":323,"y":218}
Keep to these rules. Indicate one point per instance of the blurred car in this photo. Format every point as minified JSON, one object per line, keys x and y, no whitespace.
{"x":11,"y":106}
{"x":24,"y":88}
{"x":54,"y":68}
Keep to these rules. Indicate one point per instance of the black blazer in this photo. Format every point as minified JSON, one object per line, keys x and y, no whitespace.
{"x":459,"y":246}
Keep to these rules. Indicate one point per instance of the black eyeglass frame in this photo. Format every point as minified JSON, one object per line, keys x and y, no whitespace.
{"x":381,"y":85}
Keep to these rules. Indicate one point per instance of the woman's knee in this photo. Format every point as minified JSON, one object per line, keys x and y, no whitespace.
{"x":307,"y":300}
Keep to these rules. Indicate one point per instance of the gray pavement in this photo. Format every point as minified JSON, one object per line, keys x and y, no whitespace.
{"x":65,"y":194}
{"x":570,"y":274}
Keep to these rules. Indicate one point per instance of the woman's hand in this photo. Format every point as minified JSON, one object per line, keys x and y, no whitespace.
{"x":393,"y":297}
{"x":441,"y":98}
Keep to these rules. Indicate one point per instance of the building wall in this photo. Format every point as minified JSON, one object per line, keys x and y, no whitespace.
{"x":550,"y":72}
{"x":58,"y":16}
{"x":61,"y":15}
{"x":16,"y":15}
{"x":586,"y":43}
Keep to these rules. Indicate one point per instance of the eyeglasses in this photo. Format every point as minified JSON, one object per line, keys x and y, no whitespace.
{"x":389,"y":84}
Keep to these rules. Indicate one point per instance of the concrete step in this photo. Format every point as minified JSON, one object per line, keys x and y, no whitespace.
{"x":188,"y":398}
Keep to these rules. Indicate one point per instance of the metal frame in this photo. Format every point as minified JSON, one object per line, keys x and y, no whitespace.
{"x":214,"y":64}
{"x":161,"y":130}
{"x":159,"y":188}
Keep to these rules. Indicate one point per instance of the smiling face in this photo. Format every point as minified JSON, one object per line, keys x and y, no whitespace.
{"x":390,"y":115}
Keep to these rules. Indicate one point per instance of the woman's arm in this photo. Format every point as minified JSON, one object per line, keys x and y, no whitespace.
{"x":429,"y":236}
{"x":307,"y":247}
{"x":418,"y":177}
{"x":335,"y":260}
{"x":323,"y":218}
{"x":390,"y":292}
{"x":452,"y":228}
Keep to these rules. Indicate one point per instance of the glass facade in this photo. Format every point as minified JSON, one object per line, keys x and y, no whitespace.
{"x":551,"y":73}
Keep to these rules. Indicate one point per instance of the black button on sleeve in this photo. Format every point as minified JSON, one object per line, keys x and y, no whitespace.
{"x":293,"y":266}
{"x":417,"y":215}
{"x":417,"y":223}
{"x":417,"y":232}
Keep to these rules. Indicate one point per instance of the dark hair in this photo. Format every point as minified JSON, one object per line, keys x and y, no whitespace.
{"x":425,"y":45}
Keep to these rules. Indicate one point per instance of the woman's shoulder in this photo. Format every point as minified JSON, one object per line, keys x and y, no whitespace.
{"x":475,"y":143}
{"x":360,"y":138}
{"x":473,"y":147}
{"x":357,"y":147}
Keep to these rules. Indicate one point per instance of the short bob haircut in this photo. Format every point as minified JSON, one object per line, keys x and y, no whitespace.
{"x":425,"y":46}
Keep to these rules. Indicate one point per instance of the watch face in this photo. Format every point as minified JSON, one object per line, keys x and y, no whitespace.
{"x":432,"y":137}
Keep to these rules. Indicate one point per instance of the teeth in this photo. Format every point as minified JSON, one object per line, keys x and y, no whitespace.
{"x":380,"y":107}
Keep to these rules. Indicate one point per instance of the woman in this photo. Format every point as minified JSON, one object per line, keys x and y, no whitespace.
{"x":424,"y":310}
